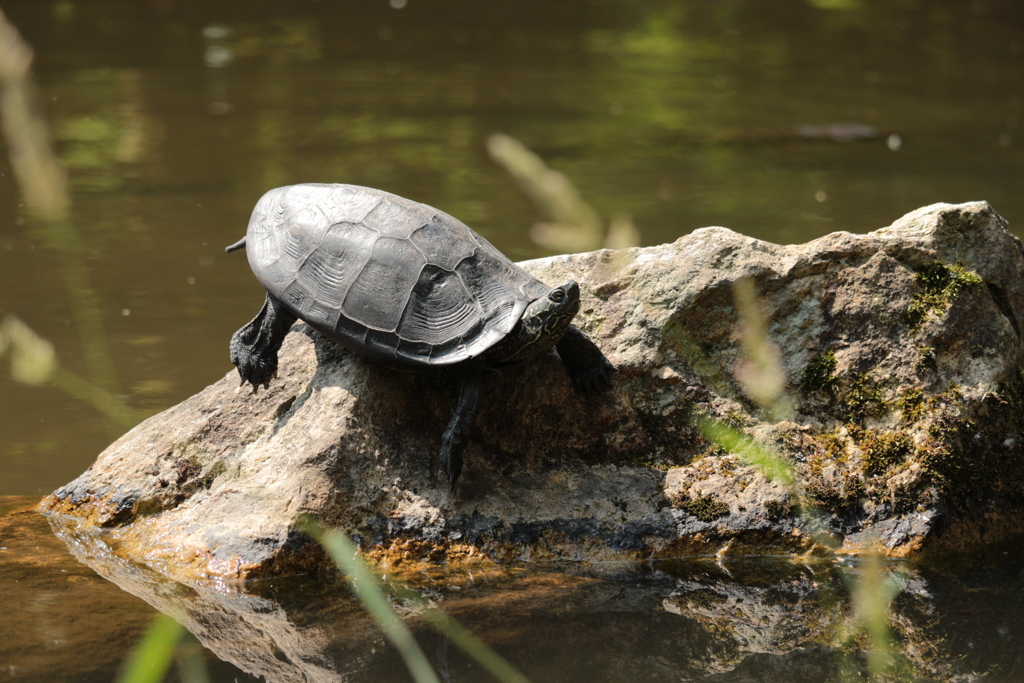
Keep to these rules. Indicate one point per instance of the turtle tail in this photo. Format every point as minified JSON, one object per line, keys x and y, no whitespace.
{"x":240,"y":244}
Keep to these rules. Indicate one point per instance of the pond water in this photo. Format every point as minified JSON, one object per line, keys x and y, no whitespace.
{"x":698,"y":620}
{"x":783,"y":120}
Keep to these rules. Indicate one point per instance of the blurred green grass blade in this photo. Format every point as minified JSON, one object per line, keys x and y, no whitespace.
{"x":366,"y":587}
{"x":152,"y":656}
{"x":191,"y":666}
{"x":574,"y":224}
{"x":772,"y":466}
{"x":497,"y":665}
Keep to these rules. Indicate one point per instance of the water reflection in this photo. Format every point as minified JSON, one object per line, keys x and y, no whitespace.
{"x":746,"y":620}
{"x":62,"y":622}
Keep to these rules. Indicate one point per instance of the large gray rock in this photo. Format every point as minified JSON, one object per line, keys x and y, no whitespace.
{"x":902,"y":348}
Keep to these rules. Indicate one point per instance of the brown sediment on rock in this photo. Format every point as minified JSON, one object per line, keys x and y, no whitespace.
{"x":902,"y":350}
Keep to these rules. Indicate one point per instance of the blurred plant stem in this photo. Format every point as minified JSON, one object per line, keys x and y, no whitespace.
{"x":366,"y":586}
{"x":577,"y":226}
{"x":760,"y":372}
{"x":34,"y":362}
{"x":574,"y":224}
{"x":152,"y":655}
{"x":43,"y":184}
{"x":373,"y":593}
{"x":164,"y":642}
{"x":763,"y":379}
{"x":872,"y":591}
{"x":38,"y":171}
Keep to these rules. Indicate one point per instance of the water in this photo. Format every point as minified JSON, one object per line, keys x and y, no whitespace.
{"x":701,"y":620}
{"x":172,"y":118}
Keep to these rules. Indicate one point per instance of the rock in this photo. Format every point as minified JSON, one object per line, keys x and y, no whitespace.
{"x":902,"y":350}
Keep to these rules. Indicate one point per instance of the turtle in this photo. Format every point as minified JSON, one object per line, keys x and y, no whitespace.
{"x":408,"y":287}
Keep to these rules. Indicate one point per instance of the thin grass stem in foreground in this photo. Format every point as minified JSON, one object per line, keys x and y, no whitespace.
{"x":577,"y":225}
{"x":366,"y":587}
{"x":152,"y":656}
{"x":371,"y":593}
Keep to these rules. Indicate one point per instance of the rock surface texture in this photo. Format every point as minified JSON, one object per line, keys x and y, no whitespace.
{"x":902,"y":350}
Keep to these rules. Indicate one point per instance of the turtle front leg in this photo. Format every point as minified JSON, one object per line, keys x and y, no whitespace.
{"x":254,"y":347}
{"x":589,"y":370}
{"x":465,"y":407}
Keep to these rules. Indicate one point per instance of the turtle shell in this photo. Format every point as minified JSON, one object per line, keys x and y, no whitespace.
{"x":397,"y":281}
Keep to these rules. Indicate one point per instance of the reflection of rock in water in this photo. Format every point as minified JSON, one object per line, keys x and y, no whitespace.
{"x":774,"y":617}
{"x":552,"y":626}
{"x":254,"y":633}
{"x":757,"y":620}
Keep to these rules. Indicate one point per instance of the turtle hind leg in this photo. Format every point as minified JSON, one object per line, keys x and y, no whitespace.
{"x":589,"y":370}
{"x":254,"y":347}
{"x":465,"y":407}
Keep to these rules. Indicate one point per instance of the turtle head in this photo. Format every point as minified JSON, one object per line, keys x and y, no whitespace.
{"x":542,"y":324}
{"x":550,"y":315}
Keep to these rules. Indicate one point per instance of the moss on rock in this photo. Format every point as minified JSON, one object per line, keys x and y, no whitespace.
{"x":820,"y":373}
{"x":884,"y":450}
{"x":940,"y":284}
{"x":704,"y":508}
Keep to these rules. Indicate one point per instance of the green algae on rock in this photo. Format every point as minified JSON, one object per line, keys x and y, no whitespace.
{"x":940,"y":285}
{"x":906,"y":429}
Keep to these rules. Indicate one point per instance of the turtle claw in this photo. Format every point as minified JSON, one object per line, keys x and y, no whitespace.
{"x":254,"y":369}
{"x":451,"y":466}
{"x":256,"y":375}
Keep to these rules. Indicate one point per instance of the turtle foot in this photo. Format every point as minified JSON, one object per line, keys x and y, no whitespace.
{"x":464,"y":409}
{"x":588,"y":368}
{"x":593,"y":379}
{"x":252,"y":368}
{"x":450,"y":460}
{"x":254,"y":347}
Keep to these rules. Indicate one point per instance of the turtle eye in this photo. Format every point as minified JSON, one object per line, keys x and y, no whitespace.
{"x":557,"y":295}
